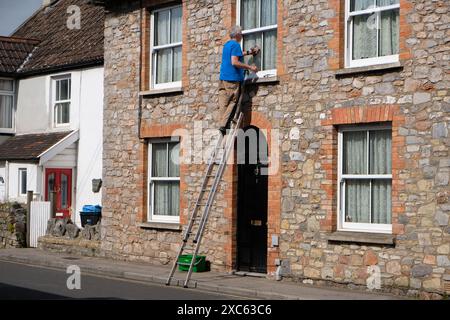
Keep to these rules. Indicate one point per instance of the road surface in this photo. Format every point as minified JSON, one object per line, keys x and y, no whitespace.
{"x":20,"y":281}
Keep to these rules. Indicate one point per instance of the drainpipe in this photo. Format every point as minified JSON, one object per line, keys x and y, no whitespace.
{"x":278,"y":273}
{"x":140,"y":71}
{"x":7,"y":181}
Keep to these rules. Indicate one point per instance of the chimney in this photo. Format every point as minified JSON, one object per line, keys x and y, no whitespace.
{"x":47,"y":3}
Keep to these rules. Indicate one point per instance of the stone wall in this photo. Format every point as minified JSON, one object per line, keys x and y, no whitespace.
{"x":78,"y":246}
{"x":13,"y":231}
{"x":302,"y":104}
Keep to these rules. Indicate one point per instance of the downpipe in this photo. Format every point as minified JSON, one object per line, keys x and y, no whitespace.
{"x":140,"y":71}
{"x":278,"y":276}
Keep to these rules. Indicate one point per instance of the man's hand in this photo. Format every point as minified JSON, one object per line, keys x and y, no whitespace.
{"x":253,"y":68}
{"x":235,"y":62}
{"x":254,"y":50}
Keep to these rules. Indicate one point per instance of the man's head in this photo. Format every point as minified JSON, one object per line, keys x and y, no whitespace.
{"x":236,"y":33}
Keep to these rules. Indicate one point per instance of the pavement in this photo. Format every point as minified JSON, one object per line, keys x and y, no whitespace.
{"x":212,"y":282}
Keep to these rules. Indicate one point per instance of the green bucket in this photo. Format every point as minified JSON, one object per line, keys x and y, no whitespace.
{"x":185,"y":261}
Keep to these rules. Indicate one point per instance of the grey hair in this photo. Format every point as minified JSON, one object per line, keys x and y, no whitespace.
{"x":234,"y":31}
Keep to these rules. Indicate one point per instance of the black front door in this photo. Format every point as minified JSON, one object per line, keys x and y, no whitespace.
{"x":252,"y":208}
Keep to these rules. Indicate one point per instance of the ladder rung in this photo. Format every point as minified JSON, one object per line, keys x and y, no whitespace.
{"x":201,"y":204}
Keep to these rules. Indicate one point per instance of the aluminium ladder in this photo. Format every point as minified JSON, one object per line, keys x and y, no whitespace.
{"x":216,"y":166}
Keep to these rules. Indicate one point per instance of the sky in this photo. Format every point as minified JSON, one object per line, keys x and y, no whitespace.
{"x":14,"y":12}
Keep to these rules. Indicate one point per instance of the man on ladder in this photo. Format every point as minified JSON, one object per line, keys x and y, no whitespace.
{"x":230,"y":100}
{"x":231,"y":77}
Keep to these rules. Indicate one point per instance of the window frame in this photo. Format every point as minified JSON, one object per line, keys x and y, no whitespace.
{"x":261,"y":73}
{"x":151,"y":217}
{"x":342,"y":225}
{"x":55,"y":101}
{"x":349,"y":61}
{"x":13,"y":111}
{"x":153,"y":50}
{"x":21,"y":171}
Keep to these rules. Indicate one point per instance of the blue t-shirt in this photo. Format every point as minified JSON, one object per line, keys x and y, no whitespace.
{"x":228,"y":72}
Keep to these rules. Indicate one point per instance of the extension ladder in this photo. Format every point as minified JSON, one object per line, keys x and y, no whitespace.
{"x":216,"y":166}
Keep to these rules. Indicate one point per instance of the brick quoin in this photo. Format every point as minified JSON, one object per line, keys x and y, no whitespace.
{"x":329,"y":152}
{"x":149,"y":131}
{"x":257,"y":119}
{"x":148,"y":7}
{"x":336,"y":44}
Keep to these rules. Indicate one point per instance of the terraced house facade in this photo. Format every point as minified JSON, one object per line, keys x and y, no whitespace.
{"x":351,"y":109}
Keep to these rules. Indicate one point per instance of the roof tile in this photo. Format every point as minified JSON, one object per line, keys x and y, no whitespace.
{"x":60,"y":46}
{"x":13,"y":53}
{"x":29,"y":146}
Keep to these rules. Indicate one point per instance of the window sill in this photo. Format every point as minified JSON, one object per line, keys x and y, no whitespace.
{"x":368,"y":69}
{"x":362,"y":237}
{"x":263,"y":80}
{"x":160,"y":226}
{"x":158,"y":92}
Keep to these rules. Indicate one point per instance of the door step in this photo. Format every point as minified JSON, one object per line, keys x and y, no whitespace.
{"x":250,"y":274}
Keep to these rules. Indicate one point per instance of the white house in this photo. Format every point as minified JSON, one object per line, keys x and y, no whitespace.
{"x":51,"y":108}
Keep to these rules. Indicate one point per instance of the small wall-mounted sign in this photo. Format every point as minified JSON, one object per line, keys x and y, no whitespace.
{"x":96,"y":185}
{"x":274,"y":240}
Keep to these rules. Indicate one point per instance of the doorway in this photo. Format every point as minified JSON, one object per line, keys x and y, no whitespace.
{"x":60,"y":181}
{"x":252,"y":201}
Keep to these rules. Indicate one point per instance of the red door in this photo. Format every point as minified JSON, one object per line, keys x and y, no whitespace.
{"x":60,"y":181}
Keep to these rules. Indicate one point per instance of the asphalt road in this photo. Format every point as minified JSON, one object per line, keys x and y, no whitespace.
{"x":19,"y":281}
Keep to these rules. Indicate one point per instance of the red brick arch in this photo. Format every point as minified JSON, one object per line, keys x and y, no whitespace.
{"x":257,"y":119}
{"x":329,"y":155}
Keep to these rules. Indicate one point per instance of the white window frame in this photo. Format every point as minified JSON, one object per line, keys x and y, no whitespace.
{"x":154,"y":49}
{"x":22,"y":171}
{"x":356,"y":226}
{"x":349,"y":62}
{"x":13,"y":113}
{"x":261,"y":73}
{"x":54,"y":101}
{"x":150,"y":184}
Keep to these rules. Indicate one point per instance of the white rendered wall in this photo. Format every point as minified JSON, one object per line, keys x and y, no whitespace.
{"x":90,"y":144}
{"x":34,"y":174}
{"x":32,"y":106}
{"x":2,"y":184}
{"x":35,"y":103}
